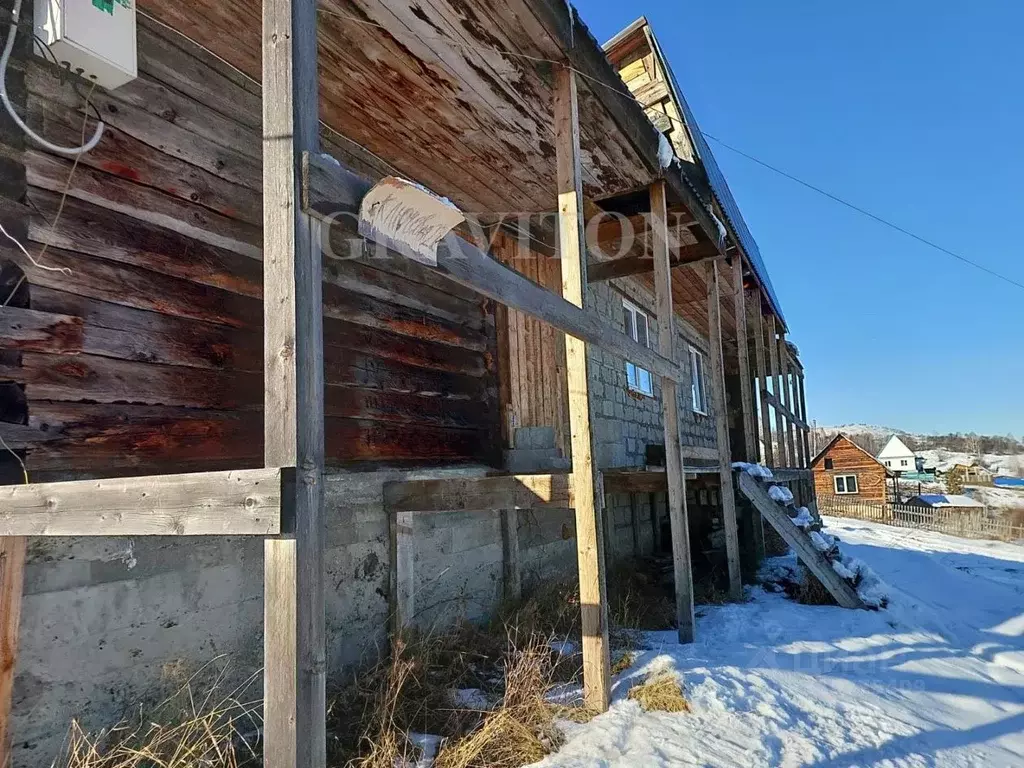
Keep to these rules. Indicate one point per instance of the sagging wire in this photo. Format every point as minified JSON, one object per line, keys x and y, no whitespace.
{"x":21,"y":461}
{"x":12,"y":34}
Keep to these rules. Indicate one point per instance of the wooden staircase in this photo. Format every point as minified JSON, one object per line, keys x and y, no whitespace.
{"x":798,"y":539}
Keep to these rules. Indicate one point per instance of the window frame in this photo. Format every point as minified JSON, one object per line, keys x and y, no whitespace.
{"x":846,"y":485}
{"x":830,"y":463}
{"x":695,"y":355}
{"x":640,"y":375}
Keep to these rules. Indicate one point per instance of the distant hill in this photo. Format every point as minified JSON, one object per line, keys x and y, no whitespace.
{"x":872,"y":437}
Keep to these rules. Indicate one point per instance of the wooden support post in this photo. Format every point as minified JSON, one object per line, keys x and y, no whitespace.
{"x":676,"y":476}
{"x":732,"y":542}
{"x":784,"y":399}
{"x":747,"y":403}
{"x":794,"y":404}
{"x":803,"y":415}
{"x":585,"y":482}
{"x":403,"y":577}
{"x":294,"y":646}
{"x":762,"y":385}
{"x":512,"y":581}
{"x":12,"y":574}
{"x":780,"y":420}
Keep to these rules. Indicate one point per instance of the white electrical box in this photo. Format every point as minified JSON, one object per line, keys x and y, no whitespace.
{"x":95,"y":38}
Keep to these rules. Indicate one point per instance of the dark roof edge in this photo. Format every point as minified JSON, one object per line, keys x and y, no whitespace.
{"x":747,"y":242}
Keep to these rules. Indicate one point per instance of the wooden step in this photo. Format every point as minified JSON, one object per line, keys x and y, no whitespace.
{"x":800,"y":542}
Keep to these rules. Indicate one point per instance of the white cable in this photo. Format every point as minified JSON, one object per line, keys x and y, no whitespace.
{"x":72,"y":151}
{"x":47,"y":267}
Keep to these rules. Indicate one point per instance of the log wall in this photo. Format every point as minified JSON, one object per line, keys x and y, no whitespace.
{"x":148,"y":356}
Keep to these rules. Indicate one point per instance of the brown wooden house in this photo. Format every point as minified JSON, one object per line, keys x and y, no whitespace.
{"x":844,"y":469}
{"x":196,"y":342}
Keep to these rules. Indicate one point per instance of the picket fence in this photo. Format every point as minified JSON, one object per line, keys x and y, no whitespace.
{"x":973,"y":524}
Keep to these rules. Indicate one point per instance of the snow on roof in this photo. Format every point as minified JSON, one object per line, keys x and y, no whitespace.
{"x":895,"y":449}
{"x":948,"y":500}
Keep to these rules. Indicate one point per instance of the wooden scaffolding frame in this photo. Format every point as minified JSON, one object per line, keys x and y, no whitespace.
{"x":284,"y":501}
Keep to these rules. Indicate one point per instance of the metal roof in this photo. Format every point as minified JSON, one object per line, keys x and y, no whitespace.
{"x":719,"y":186}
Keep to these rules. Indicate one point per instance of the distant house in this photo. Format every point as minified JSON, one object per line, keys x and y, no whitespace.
{"x":945,"y":501}
{"x":843,"y":468}
{"x":896,"y":456}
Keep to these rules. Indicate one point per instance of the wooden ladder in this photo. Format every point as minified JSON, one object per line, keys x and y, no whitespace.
{"x":800,"y":542}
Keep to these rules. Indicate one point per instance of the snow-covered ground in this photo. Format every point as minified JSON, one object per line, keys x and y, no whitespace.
{"x":937,"y":679}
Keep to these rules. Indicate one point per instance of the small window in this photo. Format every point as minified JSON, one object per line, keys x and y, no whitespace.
{"x":830,"y":464}
{"x":697,"y":382}
{"x":888,"y":463}
{"x":903,"y":462}
{"x":846,"y":484}
{"x":638,"y":329}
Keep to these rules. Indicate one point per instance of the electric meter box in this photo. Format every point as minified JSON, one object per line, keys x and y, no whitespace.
{"x":95,"y":38}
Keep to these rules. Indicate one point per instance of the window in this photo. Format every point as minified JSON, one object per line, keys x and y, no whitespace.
{"x":903,"y":462}
{"x":637,"y":328}
{"x":697,"y":382}
{"x":846,"y":484}
{"x":830,"y":464}
{"x":888,"y":463}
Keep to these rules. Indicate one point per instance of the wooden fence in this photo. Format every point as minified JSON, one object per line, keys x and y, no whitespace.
{"x":973,"y":524}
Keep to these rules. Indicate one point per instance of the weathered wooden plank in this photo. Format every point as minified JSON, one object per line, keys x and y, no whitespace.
{"x":280,"y":635}
{"x":12,"y":575}
{"x":468,"y":266}
{"x":588,"y":502}
{"x":295,"y":697}
{"x":32,"y":331}
{"x":768,"y":456}
{"x":402,"y":589}
{"x":844,"y":594}
{"x":512,"y":575}
{"x":242,"y":502}
{"x":803,"y":415}
{"x":776,"y":377}
{"x":784,"y":398}
{"x":634,"y":265}
{"x":480,"y":493}
{"x":788,"y":414}
{"x":746,"y":404}
{"x":732,"y":543}
{"x":144,"y":203}
{"x":675,"y":476}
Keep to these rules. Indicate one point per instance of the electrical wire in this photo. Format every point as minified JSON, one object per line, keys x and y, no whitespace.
{"x":4,"y":60}
{"x":865,"y":212}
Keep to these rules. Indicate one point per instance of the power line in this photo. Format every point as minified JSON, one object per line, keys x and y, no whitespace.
{"x":864,"y":212}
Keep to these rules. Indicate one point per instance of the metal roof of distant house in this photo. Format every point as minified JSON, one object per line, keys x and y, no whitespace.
{"x":719,"y":186}
{"x":948,"y":500}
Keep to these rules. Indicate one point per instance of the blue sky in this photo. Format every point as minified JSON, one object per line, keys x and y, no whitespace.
{"x":913,"y":110}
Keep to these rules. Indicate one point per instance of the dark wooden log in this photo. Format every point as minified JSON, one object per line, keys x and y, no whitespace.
{"x":29,"y":330}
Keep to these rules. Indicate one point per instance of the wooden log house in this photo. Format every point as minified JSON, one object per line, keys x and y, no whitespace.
{"x":195,"y":342}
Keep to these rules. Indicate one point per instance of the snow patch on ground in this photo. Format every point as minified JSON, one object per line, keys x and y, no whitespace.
{"x":937,"y":679}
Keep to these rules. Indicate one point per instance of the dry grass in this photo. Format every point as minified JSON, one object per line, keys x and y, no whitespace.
{"x":660,"y":693}
{"x":521,"y":729}
{"x":624,"y":662}
{"x":212,"y":731}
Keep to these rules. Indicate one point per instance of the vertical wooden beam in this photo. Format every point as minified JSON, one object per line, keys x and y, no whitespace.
{"x":732,"y":542}
{"x":585,"y":481}
{"x":785,"y":399}
{"x":12,"y":574}
{"x":794,"y":400}
{"x":676,"y":476}
{"x":780,"y":420}
{"x":294,"y":645}
{"x":402,"y":587}
{"x":511,"y":571}
{"x":762,"y":385}
{"x":803,"y":415}
{"x":740,"y":304}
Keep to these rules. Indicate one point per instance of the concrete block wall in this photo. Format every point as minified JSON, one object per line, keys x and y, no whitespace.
{"x":625,"y":422}
{"x":109,"y":623}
